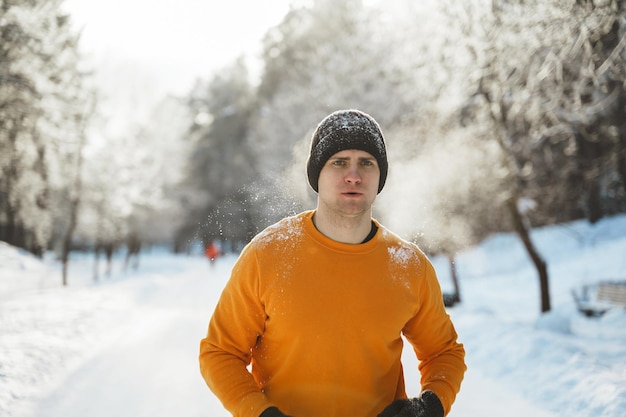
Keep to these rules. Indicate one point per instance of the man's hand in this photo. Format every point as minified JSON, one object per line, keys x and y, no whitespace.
{"x":427,"y":405}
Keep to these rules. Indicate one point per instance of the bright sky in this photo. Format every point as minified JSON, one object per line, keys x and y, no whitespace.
{"x":144,"y":49}
{"x":175,"y":41}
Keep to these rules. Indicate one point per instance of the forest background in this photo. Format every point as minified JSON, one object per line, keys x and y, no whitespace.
{"x":498,"y":115}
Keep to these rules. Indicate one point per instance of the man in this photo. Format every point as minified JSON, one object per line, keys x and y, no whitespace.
{"x":317,"y":303}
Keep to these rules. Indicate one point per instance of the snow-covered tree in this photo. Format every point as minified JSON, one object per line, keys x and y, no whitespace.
{"x":132,"y":182}
{"x":549,"y":82}
{"x":221,"y":165}
{"x":43,"y":111}
{"x":552,"y":80}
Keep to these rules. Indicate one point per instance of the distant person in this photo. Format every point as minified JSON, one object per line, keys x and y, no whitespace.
{"x":212,"y":251}
{"x":310,"y":322}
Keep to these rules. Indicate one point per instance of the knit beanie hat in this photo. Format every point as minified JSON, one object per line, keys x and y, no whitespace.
{"x":342,"y":130}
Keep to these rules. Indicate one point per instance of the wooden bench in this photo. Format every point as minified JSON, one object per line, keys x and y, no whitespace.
{"x":596,"y":299}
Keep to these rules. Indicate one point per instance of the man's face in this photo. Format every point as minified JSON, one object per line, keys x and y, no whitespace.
{"x":348,"y":182}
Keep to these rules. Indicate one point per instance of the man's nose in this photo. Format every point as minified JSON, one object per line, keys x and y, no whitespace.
{"x":353,"y":175}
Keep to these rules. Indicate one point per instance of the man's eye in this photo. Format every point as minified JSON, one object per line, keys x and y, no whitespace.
{"x":339,"y":162}
{"x":367,"y":163}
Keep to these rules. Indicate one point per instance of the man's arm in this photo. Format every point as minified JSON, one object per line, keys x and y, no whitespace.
{"x":434,"y":340}
{"x":225,"y":352}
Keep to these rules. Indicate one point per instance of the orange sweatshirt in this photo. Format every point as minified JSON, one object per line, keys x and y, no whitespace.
{"x":320,"y":323}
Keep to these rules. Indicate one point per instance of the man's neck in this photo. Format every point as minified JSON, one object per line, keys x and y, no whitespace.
{"x":344,"y":229}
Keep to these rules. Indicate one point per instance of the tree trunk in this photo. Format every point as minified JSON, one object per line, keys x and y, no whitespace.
{"x":65,"y":251}
{"x":594,"y":206}
{"x":96,"y":262}
{"x":77,"y":186}
{"x":621,"y":155}
{"x":75,"y":202}
{"x":69,"y":232}
{"x":455,"y":279}
{"x":524,"y":234}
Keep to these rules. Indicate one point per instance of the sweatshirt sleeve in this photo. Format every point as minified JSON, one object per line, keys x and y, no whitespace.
{"x":225,"y":353}
{"x":434,"y":340}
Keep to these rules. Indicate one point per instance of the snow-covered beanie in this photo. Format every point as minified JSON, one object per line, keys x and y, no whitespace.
{"x":342,"y":130}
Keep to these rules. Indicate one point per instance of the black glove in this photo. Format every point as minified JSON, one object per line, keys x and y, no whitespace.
{"x":273,"y":412}
{"x":427,"y":405}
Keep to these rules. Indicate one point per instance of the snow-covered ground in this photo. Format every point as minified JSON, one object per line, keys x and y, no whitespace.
{"x":127,"y":344}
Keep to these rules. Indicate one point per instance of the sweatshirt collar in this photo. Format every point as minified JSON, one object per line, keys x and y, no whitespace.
{"x":318,"y":237}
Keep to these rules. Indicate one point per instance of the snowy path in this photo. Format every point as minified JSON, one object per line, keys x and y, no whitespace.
{"x":152,"y":372}
{"x":149,"y":366}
